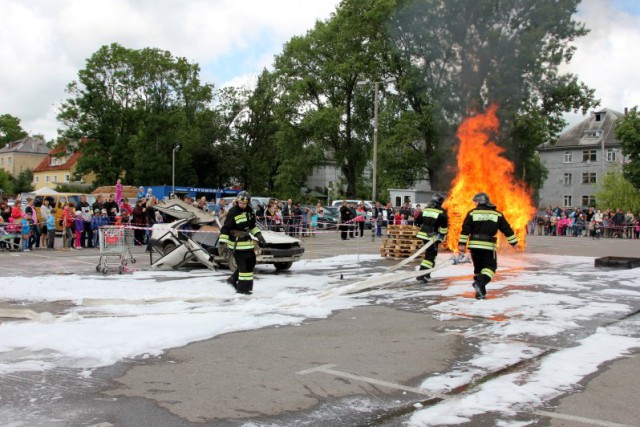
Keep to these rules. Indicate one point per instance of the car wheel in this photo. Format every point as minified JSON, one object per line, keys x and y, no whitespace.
{"x":168,"y":248}
{"x":282,"y":266}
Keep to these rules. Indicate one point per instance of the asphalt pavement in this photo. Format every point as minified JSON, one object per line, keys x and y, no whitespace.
{"x":317,"y":373}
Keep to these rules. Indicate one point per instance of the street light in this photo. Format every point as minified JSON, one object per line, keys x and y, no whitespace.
{"x":376,"y":105}
{"x":173,"y":169}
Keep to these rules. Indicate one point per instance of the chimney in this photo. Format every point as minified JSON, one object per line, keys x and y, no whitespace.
{"x":626,"y":110}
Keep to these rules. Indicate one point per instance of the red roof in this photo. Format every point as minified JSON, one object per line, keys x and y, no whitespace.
{"x":45,"y":164}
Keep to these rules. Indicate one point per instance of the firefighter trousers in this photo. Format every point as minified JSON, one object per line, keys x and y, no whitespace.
{"x":246,"y":261}
{"x":485,"y":264}
{"x":430,"y":254}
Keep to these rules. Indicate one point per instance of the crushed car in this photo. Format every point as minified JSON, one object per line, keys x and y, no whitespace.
{"x":192,"y":236}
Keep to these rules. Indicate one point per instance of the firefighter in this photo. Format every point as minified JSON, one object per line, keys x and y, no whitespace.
{"x":433,"y":222}
{"x":478,"y":233}
{"x":235,"y":235}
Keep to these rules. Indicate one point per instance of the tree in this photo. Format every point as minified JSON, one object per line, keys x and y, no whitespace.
{"x":6,"y":183}
{"x":627,"y":131}
{"x":134,"y":107}
{"x":23,"y":183}
{"x":10,"y":129}
{"x":615,"y":191}
{"x":470,"y":55}
{"x":324,"y":109}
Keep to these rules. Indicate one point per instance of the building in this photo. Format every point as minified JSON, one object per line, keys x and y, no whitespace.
{"x":579,"y":159}
{"x":23,"y":154}
{"x":58,"y":167}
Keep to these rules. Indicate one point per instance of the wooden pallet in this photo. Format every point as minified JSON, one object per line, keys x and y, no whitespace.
{"x":402,"y":230}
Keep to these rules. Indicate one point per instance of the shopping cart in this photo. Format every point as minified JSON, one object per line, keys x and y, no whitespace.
{"x":115,"y":248}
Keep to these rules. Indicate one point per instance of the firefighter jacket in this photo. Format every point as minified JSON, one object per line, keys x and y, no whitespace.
{"x":239,"y":226}
{"x":433,"y":222}
{"x":480,"y":227}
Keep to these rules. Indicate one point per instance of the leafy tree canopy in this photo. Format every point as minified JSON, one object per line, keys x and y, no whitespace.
{"x":616,"y":192}
{"x":627,"y":131}
{"x":10,"y":129}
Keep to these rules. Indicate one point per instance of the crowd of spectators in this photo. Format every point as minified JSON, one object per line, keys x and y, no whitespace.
{"x":591,"y":222}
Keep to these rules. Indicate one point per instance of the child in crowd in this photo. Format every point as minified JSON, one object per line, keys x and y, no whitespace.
{"x":79,"y":228}
{"x":95,"y":225}
{"x":26,"y":232}
{"x":51,"y":231}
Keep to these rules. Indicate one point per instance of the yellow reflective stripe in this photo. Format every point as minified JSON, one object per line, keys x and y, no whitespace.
{"x":488,"y":216}
{"x":245,"y":276}
{"x":486,"y":212}
{"x":426,"y":263}
{"x":254,"y":231}
{"x":512,"y":239}
{"x":224,"y":238}
{"x":422,"y":235}
{"x":431,"y":213}
{"x":488,"y":272}
{"x":463,"y":238}
{"x":443,"y":230}
{"x":240,"y":218}
{"x":479,"y":244}
{"x":243,"y":245}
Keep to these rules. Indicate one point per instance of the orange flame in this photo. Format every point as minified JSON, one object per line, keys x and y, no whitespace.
{"x":481,"y":168}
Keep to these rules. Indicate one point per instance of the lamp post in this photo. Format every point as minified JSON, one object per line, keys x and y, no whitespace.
{"x":173,"y":169}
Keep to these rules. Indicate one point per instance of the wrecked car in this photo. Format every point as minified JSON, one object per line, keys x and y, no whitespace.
{"x":193,"y":236}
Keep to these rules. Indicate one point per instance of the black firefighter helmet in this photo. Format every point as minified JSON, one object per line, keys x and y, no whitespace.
{"x":243,"y":196}
{"x":437,"y":200}
{"x":483,"y":199}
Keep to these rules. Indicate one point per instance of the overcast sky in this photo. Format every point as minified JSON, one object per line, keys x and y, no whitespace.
{"x":43,"y":44}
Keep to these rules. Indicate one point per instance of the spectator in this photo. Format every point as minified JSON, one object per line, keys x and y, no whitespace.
{"x":67,"y":227}
{"x":98,"y":204}
{"x":96,"y":222}
{"x":79,"y":229}
{"x":32,"y":217}
{"x":25,"y":231}
{"x":119,"y":191}
{"x":85,"y":213}
{"x":51,"y":231}
{"x":139,"y":220}
{"x":112,"y":208}
{"x":45,"y":213}
{"x":360,"y":218}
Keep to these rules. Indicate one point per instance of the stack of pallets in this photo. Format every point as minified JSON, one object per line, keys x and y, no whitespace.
{"x":401,"y":241}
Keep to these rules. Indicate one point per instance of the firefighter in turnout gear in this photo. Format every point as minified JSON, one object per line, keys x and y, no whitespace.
{"x":235,"y":235}
{"x":433,"y":222}
{"x":478,"y":233}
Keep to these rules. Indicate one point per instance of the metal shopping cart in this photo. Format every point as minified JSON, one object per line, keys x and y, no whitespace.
{"x":115,"y":248}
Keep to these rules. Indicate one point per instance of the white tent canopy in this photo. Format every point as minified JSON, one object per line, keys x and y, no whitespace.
{"x":44,"y":191}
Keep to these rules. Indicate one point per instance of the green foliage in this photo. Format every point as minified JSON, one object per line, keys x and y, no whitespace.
{"x":617,"y":192}
{"x":471,"y":54}
{"x":627,"y":131}
{"x":10,"y":129}
{"x":74,"y":188}
{"x":23,"y":182}
{"x":6,"y":184}
{"x":133,"y":107}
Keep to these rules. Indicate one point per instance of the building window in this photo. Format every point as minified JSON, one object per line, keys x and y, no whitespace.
{"x":37,"y":178}
{"x":9,"y":160}
{"x":567,"y":201}
{"x":599,"y":117}
{"x":589,"y":156}
{"x":47,"y":179}
{"x":66,"y":178}
{"x":55,"y":178}
{"x":1,"y":161}
{"x":589,"y":178}
{"x":611,"y":155}
{"x":588,"y":201}
{"x":568,"y":157}
{"x":567,"y":179}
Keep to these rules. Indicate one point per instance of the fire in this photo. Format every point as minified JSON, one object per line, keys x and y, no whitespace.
{"x":482,"y":168}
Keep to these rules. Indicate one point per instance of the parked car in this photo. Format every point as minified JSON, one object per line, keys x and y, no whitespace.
{"x":329,"y":219}
{"x":368,"y":207}
{"x":193,"y":236}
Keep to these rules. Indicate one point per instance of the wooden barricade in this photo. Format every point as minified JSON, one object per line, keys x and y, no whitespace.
{"x":401,"y":241}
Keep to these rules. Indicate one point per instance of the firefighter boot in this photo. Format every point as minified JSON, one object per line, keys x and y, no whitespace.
{"x":233,"y":281}
{"x":481,"y":291}
{"x":424,"y":278}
